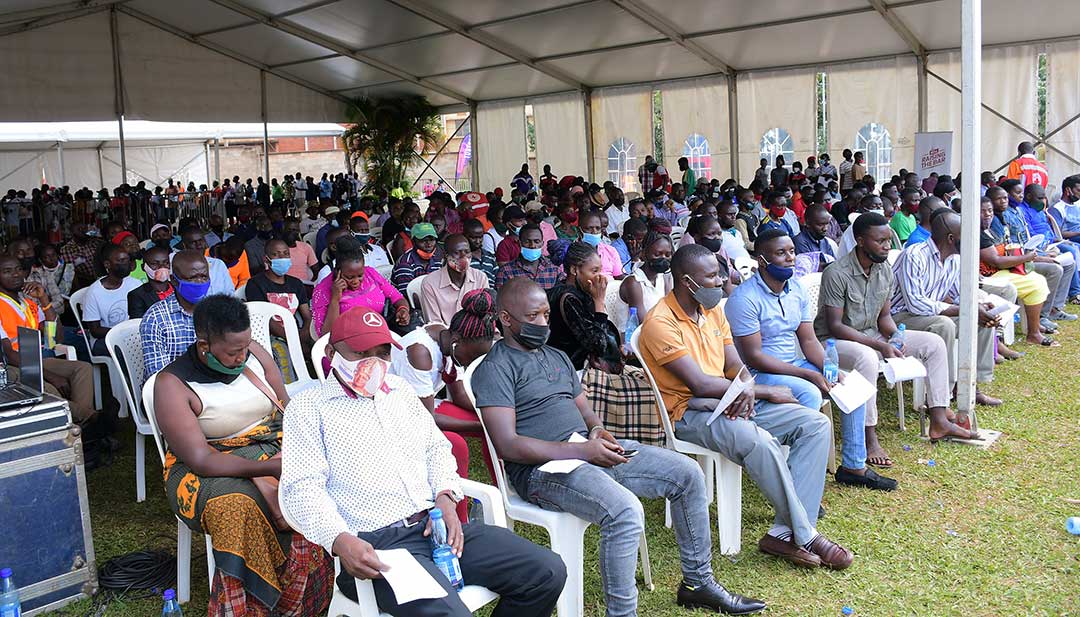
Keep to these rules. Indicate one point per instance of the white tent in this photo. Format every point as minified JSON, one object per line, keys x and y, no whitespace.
{"x":88,"y":154}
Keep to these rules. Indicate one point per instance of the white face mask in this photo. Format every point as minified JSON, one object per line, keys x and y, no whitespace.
{"x":365,"y":376}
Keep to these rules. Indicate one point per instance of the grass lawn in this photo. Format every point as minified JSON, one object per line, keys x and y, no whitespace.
{"x":979,"y":533}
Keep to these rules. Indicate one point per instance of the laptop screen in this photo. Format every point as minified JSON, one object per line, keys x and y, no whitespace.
{"x":30,"y":374}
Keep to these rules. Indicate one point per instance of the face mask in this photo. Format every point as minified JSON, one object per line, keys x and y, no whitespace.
{"x":778,"y":212}
{"x":164,"y":243}
{"x":265,"y":235}
{"x":569,"y":218}
{"x":779,"y":273}
{"x":660,"y":265}
{"x":424,"y":254}
{"x":120,"y":270}
{"x":407,"y":230}
{"x":362,"y":238}
{"x":530,"y":255}
{"x":92,"y":232}
{"x":217,"y":366}
{"x":1038,"y":205}
{"x":280,"y":265}
{"x":365,"y":376}
{"x":458,"y":265}
{"x":192,"y":292}
{"x":160,"y":275}
{"x":532,"y":336}
{"x":26,"y":263}
{"x":334,"y":223}
{"x":512,"y":231}
{"x":707,"y":297}
{"x":593,"y":239}
{"x":713,"y":244}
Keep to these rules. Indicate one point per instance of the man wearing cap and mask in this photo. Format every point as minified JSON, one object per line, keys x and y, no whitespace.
{"x":424,"y":257}
{"x":687,"y":343}
{"x":168,"y":329}
{"x":510,"y":247}
{"x":326,"y":487}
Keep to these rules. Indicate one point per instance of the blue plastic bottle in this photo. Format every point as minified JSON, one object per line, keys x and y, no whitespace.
{"x":9,"y":595}
{"x":172,"y":607}
{"x":831,"y":370}
{"x":897,"y":339}
{"x":443,"y":555}
{"x":631,"y":325}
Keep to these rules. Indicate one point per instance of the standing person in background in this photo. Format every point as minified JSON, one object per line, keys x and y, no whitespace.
{"x":1027,"y":168}
{"x":778,"y":177}
{"x":845,"y":176}
{"x":326,"y":190}
{"x":652,"y":175}
{"x":689,"y":178}
{"x":761,"y":174}
{"x":858,"y":168}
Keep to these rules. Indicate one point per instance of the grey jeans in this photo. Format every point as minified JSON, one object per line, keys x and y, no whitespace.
{"x":793,"y":485}
{"x":608,"y":497}
{"x":946,"y":328}
{"x":1058,"y":278}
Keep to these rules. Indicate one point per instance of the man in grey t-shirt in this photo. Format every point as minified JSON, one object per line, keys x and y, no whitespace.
{"x":532,"y":402}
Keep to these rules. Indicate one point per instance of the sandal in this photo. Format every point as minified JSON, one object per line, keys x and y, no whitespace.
{"x":884,"y":462}
{"x":1049,"y":342}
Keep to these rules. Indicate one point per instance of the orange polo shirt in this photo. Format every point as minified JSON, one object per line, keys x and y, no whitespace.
{"x":669,"y":334}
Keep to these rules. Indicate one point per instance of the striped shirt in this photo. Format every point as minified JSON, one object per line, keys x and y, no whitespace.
{"x":411,"y":265}
{"x":923,"y":282}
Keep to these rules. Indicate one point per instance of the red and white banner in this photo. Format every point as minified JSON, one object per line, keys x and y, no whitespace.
{"x":933,"y":153}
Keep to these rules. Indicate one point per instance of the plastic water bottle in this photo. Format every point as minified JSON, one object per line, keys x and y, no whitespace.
{"x":631,"y":325}
{"x":476,"y":512}
{"x":1072,"y":525}
{"x":3,"y":370}
{"x":831,"y":370}
{"x":847,"y":611}
{"x":897,"y":339}
{"x":9,"y":595}
{"x":172,"y":607}
{"x":443,"y":555}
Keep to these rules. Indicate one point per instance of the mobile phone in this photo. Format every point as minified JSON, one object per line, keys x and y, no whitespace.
{"x":630,"y":453}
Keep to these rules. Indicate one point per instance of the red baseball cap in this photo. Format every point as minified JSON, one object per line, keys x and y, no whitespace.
{"x":361,"y":329}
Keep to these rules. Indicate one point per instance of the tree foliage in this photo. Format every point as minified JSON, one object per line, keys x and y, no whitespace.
{"x":384,"y":133}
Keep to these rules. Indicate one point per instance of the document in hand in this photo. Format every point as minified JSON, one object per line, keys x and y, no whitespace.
{"x":902,"y":369}
{"x":743,"y":381}
{"x":568,"y":464}
{"x":854,"y":391}
{"x":409,"y":580}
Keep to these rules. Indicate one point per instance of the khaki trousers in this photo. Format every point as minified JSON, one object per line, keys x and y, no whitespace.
{"x":946,"y":327}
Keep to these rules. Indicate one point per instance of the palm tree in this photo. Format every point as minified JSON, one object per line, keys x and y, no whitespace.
{"x":384,"y":133}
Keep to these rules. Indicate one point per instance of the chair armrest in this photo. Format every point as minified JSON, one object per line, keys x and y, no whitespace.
{"x":65,"y":351}
{"x":490,"y":498}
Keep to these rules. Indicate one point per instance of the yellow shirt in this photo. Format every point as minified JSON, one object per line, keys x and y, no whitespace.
{"x":669,"y":334}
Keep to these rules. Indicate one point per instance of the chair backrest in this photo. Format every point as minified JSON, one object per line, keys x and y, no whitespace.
{"x":376,"y":233}
{"x":812,"y":284}
{"x":125,"y":348}
{"x":661,"y":408}
{"x":148,"y":407}
{"x":385,"y":270}
{"x":745,"y":266}
{"x":616,"y":309}
{"x":310,"y":237}
{"x":677,"y":234}
{"x":261,"y":314}
{"x":852,"y":216}
{"x":318,"y":352}
{"x":412,"y":291}
{"x":894,"y":254}
{"x":500,"y":471}
{"x":76,"y":300}
{"x":241,"y":291}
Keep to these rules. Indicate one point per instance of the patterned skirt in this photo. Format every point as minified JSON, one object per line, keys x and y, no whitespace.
{"x":260,"y":571}
{"x":625,"y":404}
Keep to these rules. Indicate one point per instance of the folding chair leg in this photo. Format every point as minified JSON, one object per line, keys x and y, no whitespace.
{"x":667,"y":513}
{"x":729,"y":507}
{"x":900,"y":405}
{"x":568,"y":542}
{"x":706,"y":463}
{"x":97,"y":387}
{"x":140,"y":467}
{"x":183,"y":562}
{"x":211,"y":566}
{"x":646,"y":567}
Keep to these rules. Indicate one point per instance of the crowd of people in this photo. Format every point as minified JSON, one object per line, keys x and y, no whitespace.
{"x":545,"y":283}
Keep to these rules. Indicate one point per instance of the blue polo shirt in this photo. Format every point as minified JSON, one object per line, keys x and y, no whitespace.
{"x":753,"y":307}
{"x":919,"y":235}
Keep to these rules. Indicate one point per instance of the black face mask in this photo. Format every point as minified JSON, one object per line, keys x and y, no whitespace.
{"x":265,"y":235}
{"x":660,"y":265}
{"x":531,"y":336}
{"x":120,"y":271}
{"x":27,"y":263}
{"x":713,"y":244}
{"x":164,"y":243}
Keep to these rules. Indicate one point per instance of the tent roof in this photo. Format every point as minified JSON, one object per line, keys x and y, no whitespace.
{"x":461,"y":51}
{"x":81,"y":133}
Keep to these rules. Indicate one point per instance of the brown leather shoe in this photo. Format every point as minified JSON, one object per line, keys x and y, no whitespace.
{"x":787,"y":549}
{"x":832,"y":555}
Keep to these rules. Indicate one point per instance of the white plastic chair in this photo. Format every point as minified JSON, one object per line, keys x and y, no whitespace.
{"x":745,"y":266}
{"x":720,"y":472}
{"x":261,"y":314}
{"x":183,"y":533}
{"x":125,"y":348}
{"x":241,"y":291}
{"x":76,"y":300}
{"x":412,"y":291}
{"x":567,"y":532}
{"x":310,"y":237}
{"x":677,"y":234}
{"x":385,"y":270}
{"x":617,"y":310}
{"x":473,"y":596}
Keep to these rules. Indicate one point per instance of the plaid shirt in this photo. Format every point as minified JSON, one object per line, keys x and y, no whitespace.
{"x":166,"y":332}
{"x":547,"y":273}
{"x":84,"y":257}
{"x":486,"y":264}
{"x":411,"y":266}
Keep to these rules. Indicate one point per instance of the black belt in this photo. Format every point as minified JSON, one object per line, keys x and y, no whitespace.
{"x":407,"y":522}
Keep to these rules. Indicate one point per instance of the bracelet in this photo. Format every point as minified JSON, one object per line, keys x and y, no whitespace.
{"x":46,"y":307}
{"x":598,"y":426}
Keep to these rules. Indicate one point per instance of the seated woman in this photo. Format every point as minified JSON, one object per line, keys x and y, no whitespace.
{"x":649,"y":283}
{"x":214,"y":408}
{"x":580,"y":328}
{"x":350,"y":284}
{"x":435,"y":356}
{"x":275,"y":286}
{"x":706,"y":231}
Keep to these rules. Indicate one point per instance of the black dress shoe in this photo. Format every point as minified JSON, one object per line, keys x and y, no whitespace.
{"x":714,"y":597}
{"x":871,"y":479}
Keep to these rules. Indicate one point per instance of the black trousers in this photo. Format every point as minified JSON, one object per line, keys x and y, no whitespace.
{"x":527,"y":577}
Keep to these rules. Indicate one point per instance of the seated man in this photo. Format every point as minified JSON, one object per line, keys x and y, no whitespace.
{"x":442,"y":291}
{"x":776,"y":204}
{"x":927,"y":206}
{"x":105,"y":303}
{"x":771,"y":320}
{"x":344,"y":503}
{"x":1039,"y":222}
{"x":687,"y":344}
{"x":157,"y":286}
{"x":855,"y":311}
{"x":530,"y":263}
{"x":928,"y":291}
{"x":532,"y":404}
{"x":192,"y":239}
{"x":814,"y":235}
{"x":167,"y":329}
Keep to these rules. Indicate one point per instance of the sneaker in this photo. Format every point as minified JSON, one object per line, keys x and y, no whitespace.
{"x":1048,"y":325}
{"x":1060,"y":315}
{"x":871,"y":480}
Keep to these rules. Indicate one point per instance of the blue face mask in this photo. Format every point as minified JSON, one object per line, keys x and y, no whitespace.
{"x":280,"y":265}
{"x":530,"y":255}
{"x":192,"y":292}
{"x":779,"y":273}
{"x":593,"y":239}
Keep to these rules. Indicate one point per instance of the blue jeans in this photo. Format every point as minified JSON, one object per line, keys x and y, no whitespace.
{"x":852,"y":425}
{"x":609,"y":497}
{"x":1074,"y":285}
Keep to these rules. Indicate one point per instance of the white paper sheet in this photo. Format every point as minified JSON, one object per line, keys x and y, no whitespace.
{"x":742,"y":382}
{"x":409,"y":580}
{"x":853,"y":392}
{"x":902,"y":369}
{"x":1034,"y":242}
{"x":565,"y":465}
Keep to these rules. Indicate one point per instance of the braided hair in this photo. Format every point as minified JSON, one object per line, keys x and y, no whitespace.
{"x":476,"y":319}
{"x":567,"y":253}
{"x":652,"y":238}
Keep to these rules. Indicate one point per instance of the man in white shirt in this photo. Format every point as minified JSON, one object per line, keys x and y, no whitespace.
{"x":105,"y":302}
{"x":365,"y":464}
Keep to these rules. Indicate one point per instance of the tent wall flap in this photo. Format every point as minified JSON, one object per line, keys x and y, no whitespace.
{"x":696,"y":126}
{"x":560,"y":133}
{"x":776,"y":99}
{"x":501,"y":148}
{"x":622,"y":133}
{"x":1062,"y":105}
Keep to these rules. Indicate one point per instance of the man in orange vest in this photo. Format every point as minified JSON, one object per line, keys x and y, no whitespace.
{"x":1026,"y":168}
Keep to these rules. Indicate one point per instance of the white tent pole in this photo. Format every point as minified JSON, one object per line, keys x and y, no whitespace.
{"x":60,"y":158}
{"x":590,"y":147}
{"x":474,"y":164}
{"x":206,"y":159}
{"x":118,"y":84}
{"x":971,"y":140}
{"x":100,"y":169}
{"x":217,"y":159}
{"x":266,"y":129}
{"x":733,"y":123}
{"x":921,"y":72}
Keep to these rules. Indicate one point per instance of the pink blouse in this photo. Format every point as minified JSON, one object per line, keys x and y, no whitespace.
{"x":372,"y":293}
